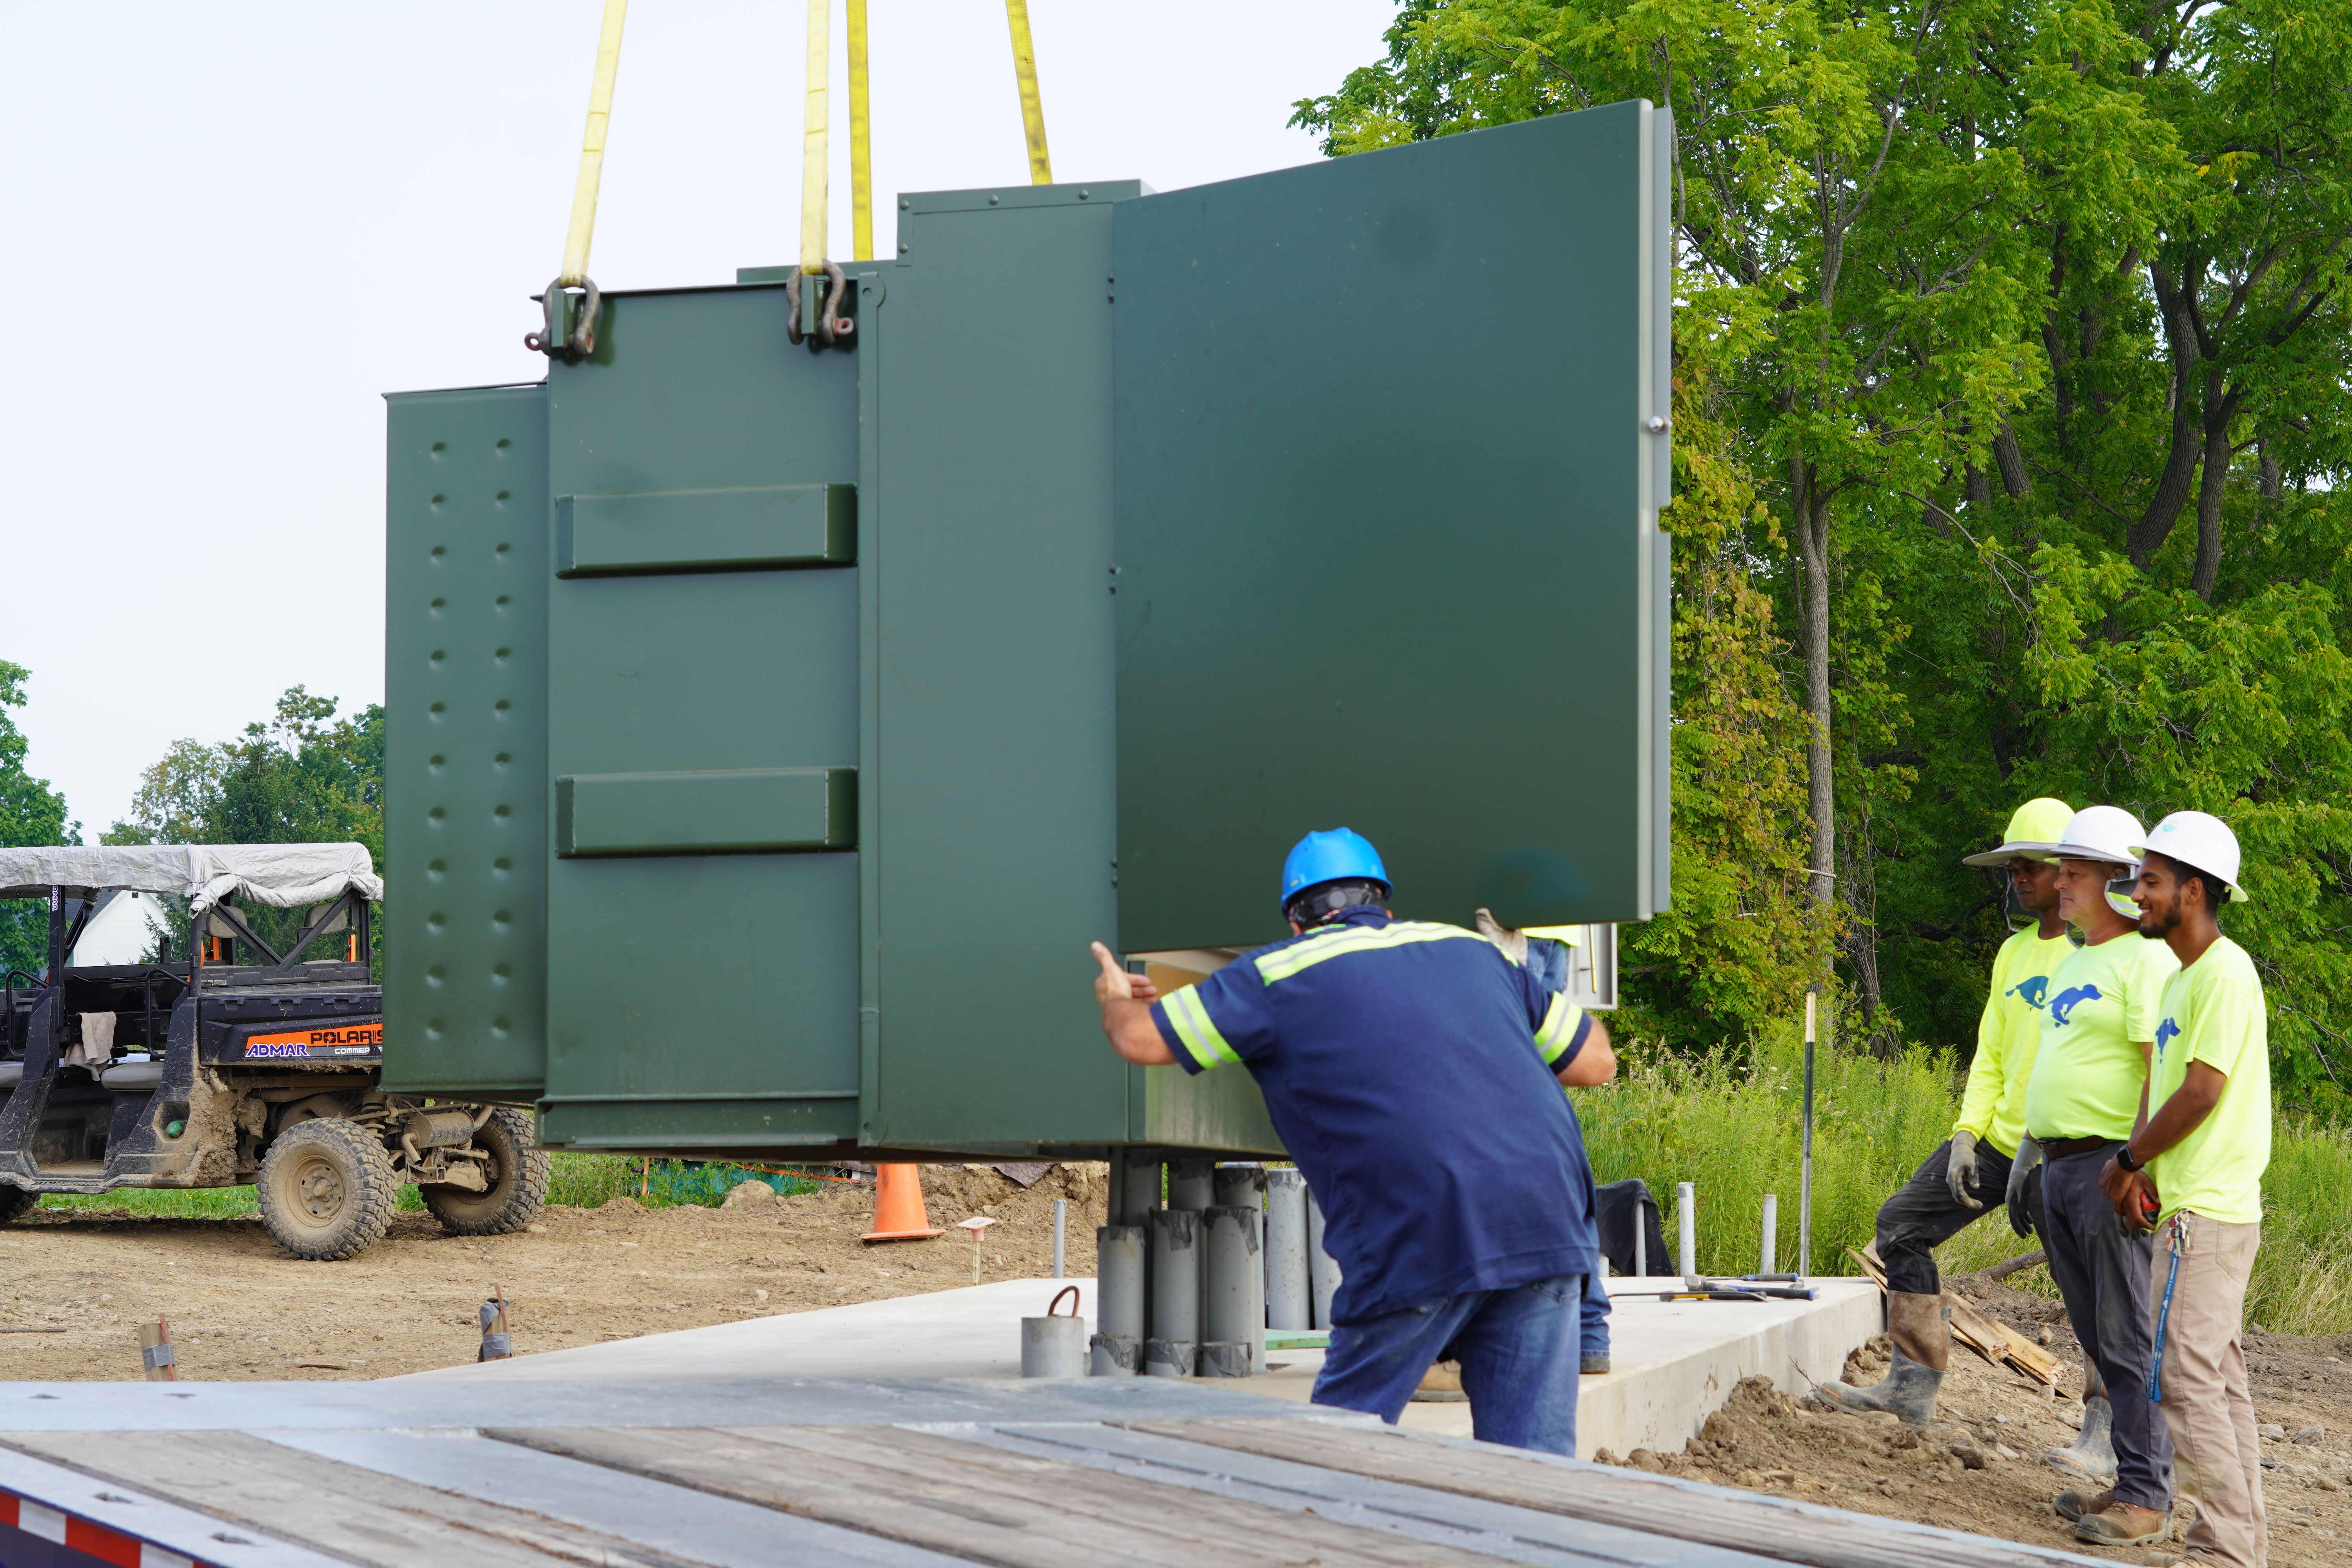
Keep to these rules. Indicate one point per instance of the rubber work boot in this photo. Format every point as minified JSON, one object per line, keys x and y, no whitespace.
{"x":2093,"y":1454}
{"x":2123,"y":1524}
{"x":1593,"y":1366}
{"x":2074,"y":1505}
{"x":1923,"y":1346}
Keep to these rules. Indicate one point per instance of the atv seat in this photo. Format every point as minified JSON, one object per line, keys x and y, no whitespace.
{"x":130,"y":1077}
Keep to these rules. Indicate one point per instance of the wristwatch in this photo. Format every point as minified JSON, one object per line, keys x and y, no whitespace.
{"x":2124,"y":1158}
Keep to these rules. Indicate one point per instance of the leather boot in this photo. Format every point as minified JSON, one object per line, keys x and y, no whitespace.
{"x":1923,"y":1347}
{"x":2074,"y":1505}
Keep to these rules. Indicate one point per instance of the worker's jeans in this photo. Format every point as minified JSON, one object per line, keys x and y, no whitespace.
{"x":1921,"y":1216}
{"x":2102,"y":1271}
{"x":1518,"y":1350}
{"x":1593,"y":1339}
{"x":2201,"y":1374}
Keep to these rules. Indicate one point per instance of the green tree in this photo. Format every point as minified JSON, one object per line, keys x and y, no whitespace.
{"x":1990,"y":295}
{"x":305,"y":777}
{"x":31,"y":814}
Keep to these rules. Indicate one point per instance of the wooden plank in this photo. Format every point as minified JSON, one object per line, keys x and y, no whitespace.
{"x":1767,"y":1526}
{"x":981,"y":1503}
{"x":358,"y":1514}
{"x":1972,"y":1328}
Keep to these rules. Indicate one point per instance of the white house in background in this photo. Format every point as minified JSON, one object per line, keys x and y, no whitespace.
{"x":122,"y":931}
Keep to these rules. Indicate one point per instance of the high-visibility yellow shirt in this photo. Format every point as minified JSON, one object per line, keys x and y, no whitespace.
{"x":2104,"y":1001}
{"x":2214,"y":1013}
{"x":2008,"y":1035}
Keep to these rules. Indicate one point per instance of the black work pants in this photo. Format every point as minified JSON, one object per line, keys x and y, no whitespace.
{"x":2105,"y":1274}
{"x":1922,"y":1216}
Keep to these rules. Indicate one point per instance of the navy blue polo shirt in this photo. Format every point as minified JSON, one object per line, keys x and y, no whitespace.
{"x":1410,"y":1070}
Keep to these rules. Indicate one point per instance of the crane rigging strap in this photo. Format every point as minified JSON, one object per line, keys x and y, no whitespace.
{"x":581,"y":339}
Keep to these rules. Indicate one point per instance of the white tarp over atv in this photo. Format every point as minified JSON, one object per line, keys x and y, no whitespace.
{"x":284,"y":876}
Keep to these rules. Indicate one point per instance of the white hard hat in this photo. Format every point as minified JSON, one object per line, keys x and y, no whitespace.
{"x":2103,"y":833}
{"x":2200,"y":841}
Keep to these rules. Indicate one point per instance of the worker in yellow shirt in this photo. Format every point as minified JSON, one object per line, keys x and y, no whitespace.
{"x":1950,"y":1190}
{"x":2192,"y":1169}
{"x":2097,"y":1032}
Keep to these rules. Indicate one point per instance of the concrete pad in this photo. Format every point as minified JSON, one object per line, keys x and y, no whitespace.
{"x":1673,"y":1363}
{"x":971,"y":1333}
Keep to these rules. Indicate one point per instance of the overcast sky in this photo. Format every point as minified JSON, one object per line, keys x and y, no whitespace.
{"x":233,"y":228}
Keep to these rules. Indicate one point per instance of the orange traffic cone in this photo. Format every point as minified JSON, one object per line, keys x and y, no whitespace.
{"x":898,"y":1206}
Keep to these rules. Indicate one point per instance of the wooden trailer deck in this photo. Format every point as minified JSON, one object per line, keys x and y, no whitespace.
{"x":847,"y":1474}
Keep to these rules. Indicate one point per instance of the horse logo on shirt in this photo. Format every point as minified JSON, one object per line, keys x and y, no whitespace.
{"x":2033,"y":992}
{"x":2065,"y":1000}
{"x":2165,"y":1031}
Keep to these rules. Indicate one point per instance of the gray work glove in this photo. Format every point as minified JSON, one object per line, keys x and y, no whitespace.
{"x":2020,"y":1172}
{"x":1960,"y":1171}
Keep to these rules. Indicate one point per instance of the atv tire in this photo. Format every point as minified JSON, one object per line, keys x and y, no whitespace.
{"x":17,"y":1201}
{"x":518,"y":1176}
{"x":327,"y":1189}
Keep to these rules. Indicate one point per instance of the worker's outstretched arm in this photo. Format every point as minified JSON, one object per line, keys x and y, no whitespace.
{"x":1595,"y":1062}
{"x":1127,"y":1002}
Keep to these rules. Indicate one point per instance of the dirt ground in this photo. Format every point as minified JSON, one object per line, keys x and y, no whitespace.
{"x":240,"y":1309}
{"x":2002,"y":1424}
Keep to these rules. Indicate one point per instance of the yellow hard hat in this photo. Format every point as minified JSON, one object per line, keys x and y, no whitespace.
{"x":2035,"y":831}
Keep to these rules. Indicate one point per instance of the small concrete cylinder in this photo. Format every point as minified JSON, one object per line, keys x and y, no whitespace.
{"x":1116,"y":1356}
{"x":1052,"y":1347}
{"x":1772,"y":1228}
{"x":1288,"y":1302}
{"x":1235,"y":1311}
{"x":1166,"y":1358}
{"x":1322,"y":1268}
{"x":1119,"y":1280}
{"x":1225,"y":1358}
{"x":1175,"y":1279}
{"x":1240,"y":1185}
{"x":1135,"y":1185}
{"x":1191,"y":1184}
{"x":1686,"y":1222}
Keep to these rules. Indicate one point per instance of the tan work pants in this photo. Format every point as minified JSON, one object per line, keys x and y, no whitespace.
{"x":2201,"y":1268}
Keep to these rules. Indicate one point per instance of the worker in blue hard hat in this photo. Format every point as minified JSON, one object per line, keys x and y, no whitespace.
{"x":1414,"y":1074}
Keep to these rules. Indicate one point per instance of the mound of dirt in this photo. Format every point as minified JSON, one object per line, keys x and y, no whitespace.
{"x":241,"y":1309}
{"x":1981,"y":1466}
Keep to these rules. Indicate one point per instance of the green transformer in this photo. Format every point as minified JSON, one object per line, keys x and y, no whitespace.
{"x":772,"y":726}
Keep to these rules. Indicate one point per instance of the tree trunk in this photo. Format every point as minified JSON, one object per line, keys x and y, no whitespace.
{"x":2011,"y":460}
{"x":1813,"y":520}
{"x":1978,"y":488}
{"x":2173,"y":487}
{"x":2211,"y":483}
{"x":2274,"y":481}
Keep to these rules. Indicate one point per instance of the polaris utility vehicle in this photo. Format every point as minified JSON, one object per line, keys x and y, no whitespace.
{"x":234,"y":1062}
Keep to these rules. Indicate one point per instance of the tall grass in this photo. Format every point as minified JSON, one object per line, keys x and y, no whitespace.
{"x":1729,"y":1123}
{"x":585,"y":1180}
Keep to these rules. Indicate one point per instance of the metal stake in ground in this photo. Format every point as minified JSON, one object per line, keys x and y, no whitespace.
{"x":1805,"y":1167}
{"x":497,"y":1344}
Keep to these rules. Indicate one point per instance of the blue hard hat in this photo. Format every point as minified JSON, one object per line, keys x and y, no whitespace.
{"x":1340,"y":855}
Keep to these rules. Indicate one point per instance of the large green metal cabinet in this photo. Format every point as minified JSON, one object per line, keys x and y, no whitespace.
{"x":771,"y":728}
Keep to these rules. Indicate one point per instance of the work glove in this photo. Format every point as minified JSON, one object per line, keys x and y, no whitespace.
{"x":2020,"y":1172}
{"x":1514,"y":944}
{"x":1960,"y":1171}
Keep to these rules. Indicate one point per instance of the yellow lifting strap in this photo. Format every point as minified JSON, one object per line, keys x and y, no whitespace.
{"x":1032,"y":113}
{"x":592,"y":147}
{"x":861,"y":149}
{"x":814,"y":125}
